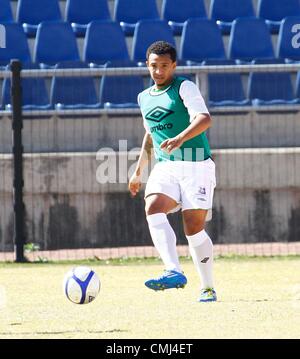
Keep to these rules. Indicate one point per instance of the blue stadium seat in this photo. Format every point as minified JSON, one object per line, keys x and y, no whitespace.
{"x":273,"y":11}
{"x":147,"y":32}
{"x":16,"y":45}
{"x":120,"y":91}
{"x":31,"y":13}
{"x":250,"y":39}
{"x":225,"y":89}
{"x":73,"y":92}
{"x":226,"y":11}
{"x":55,"y":42}
{"x":270,"y":88}
{"x":110,"y":40}
{"x":288,"y":45}
{"x":5,"y":13}
{"x":195,"y":47}
{"x":34,"y":94}
{"x":80,"y":16}
{"x":298,"y":87}
{"x":176,"y":12}
{"x":129,"y":12}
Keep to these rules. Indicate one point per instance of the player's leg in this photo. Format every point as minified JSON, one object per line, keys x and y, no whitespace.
{"x":201,"y":249}
{"x":162,"y":234}
{"x":197,"y":191}
{"x":162,"y":195}
{"x":164,"y":239}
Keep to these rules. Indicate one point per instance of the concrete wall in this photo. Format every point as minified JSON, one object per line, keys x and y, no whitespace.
{"x":90,"y":134}
{"x":257,"y":199}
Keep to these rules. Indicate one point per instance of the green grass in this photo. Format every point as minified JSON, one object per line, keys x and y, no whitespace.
{"x":258,"y":298}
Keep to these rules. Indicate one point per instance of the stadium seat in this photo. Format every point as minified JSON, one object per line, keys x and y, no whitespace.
{"x":55,"y":42}
{"x":298,"y":87}
{"x":34,"y":92}
{"x":288,"y":45}
{"x":120,"y":91}
{"x":195,"y":47}
{"x":225,"y":89}
{"x":147,"y":32}
{"x":31,"y":13}
{"x":273,"y":11}
{"x":73,"y":92}
{"x":129,"y":12}
{"x":250,"y":39}
{"x":110,"y":40}
{"x":5,"y":13}
{"x":270,"y":88}
{"x":224,"y":12}
{"x":80,"y":16}
{"x":16,"y":45}
{"x":176,"y":12}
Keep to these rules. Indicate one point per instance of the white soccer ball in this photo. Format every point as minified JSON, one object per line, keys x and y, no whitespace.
{"x":81,"y":285}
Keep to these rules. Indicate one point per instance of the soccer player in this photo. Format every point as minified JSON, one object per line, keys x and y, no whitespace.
{"x":175,"y":119}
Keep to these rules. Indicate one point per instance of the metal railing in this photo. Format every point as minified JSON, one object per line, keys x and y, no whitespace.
{"x":200,"y":73}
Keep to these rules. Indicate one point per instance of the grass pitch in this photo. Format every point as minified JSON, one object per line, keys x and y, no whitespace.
{"x":258,"y":298}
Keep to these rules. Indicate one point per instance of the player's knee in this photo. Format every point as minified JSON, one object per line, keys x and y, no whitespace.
{"x":153,"y":207}
{"x":193,"y":226}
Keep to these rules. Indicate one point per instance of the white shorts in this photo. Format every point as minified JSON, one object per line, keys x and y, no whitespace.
{"x":190,"y":184}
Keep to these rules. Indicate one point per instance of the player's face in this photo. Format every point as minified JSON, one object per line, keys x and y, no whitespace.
{"x":161,"y":69}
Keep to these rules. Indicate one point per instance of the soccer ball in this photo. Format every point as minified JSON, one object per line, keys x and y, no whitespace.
{"x":81,"y":285}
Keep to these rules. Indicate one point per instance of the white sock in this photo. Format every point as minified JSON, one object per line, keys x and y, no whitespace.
{"x":164,"y":240}
{"x":201,"y":249}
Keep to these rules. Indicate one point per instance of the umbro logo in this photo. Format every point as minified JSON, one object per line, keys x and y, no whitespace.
{"x":204,"y":260}
{"x":158,"y":114}
{"x":202,"y":190}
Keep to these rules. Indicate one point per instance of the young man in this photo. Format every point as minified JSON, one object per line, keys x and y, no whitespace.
{"x":175,"y":119}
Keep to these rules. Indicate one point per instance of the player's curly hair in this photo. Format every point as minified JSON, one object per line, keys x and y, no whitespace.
{"x":162,"y":48}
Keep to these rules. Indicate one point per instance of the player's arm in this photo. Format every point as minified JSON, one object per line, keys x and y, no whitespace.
{"x":200,"y":119}
{"x":144,"y":157}
{"x":200,"y":124}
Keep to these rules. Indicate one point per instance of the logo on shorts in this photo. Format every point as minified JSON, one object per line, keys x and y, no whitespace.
{"x":202,"y":190}
{"x":158,"y":114}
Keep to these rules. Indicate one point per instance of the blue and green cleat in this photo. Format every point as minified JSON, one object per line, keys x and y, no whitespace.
{"x":169,"y":279}
{"x":207,"y":295}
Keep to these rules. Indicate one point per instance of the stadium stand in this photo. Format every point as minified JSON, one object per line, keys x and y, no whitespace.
{"x":225,"y":89}
{"x":270,"y":88}
{"x":176,"y":12}
{"x":288,"y":46}
{"x":16,"y":45}
{"x":5,"y":13}
{"x":129,"y":12}
{"x":273,"y":11}
{"x":73,"y":92}
{"x":30,"y":13}
{"x":55,"y":42}
{"x":224,"y":12}
{"x":250,"y":39}
{"x":111,"y":43}
{"x":120,"y":91}
{"x":209,"y":46}
{"x":34,"y":95}
{"x":80,"y":16}
{"x":146,"y":32}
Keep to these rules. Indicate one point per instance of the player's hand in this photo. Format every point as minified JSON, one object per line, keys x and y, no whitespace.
{"x":134,"y":184}
{"x":171,"y":144}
